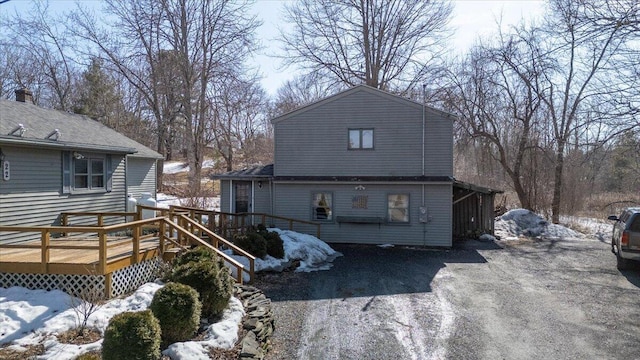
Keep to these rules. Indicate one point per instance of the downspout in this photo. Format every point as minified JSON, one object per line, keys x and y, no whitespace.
{"x":424,"y":224}
{"x":231,"y":209}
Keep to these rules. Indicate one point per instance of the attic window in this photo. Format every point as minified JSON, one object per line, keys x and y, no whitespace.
{"x":360,"y":139}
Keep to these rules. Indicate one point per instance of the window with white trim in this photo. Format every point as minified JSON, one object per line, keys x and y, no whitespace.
{"x":360,"y":139}
{"x":322,"y":206}
{"x":398,"y":208}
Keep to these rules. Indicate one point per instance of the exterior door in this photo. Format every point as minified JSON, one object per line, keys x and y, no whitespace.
{"x":243,"y":196}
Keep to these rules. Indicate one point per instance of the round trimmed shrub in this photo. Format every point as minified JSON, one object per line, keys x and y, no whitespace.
{"x":199,"y":253}
{"x":132,"y":335}
{"x":253,"y":243}
{"x":178,"y":309}
{"x":275,"y":245}
{"x":211,"y":279}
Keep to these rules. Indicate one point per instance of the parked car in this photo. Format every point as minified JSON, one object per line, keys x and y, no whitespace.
{"x":625,"y":241}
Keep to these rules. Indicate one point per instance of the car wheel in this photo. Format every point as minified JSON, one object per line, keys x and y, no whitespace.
{"x":622,"y":263}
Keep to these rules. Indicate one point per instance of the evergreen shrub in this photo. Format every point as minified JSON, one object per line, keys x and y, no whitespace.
{"x":211,"y":279}
{"x":275,"y":246}
{"x":132,"y":336}
{"x":252,"y":242}
{"x":177,"y":308}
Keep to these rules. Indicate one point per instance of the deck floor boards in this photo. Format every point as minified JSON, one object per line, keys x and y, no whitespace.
{"x":122,"y":248}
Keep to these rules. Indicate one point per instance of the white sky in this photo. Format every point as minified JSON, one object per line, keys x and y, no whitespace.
{"x":471,"y":18}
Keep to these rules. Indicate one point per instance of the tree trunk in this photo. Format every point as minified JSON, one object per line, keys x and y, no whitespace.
{"x":557,"y":184}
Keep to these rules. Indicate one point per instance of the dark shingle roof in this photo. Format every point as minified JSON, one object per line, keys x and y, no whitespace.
{"x":76,"y":131}
{"x":260,"y":171}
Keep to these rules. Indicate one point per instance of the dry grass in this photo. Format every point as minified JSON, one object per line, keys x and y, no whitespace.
{"x":76,"y":337}
{"x":31,"y":352}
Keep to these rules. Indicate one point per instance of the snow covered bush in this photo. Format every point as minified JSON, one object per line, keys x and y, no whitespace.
{"x":178,"y":309}
{"x":132,"y":335}
{"x":252,"y":242}
{"x":204,"y":271}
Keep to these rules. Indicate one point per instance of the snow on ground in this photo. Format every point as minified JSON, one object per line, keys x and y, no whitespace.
{"x":522,"y":222}
{"x":29,"y":317}
{"x":165,"y":200}
{"x":176,"y":167}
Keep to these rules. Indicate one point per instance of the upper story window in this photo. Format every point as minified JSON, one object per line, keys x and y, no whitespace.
{"x":360,"y":139}
{"x":322,"y":206}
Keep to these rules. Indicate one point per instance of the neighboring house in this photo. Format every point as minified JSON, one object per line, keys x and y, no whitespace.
{"x":57,"y":162}
{"x":372,"y":167}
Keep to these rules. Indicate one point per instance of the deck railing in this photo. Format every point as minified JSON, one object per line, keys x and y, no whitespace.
{"x":227,"y":224}
{"x":170,"y":234}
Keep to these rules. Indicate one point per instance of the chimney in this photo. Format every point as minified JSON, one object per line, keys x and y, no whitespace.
{"x":24,"y":95}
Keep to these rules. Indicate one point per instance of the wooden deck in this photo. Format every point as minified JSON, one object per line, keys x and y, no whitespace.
{"x":76,"y":255}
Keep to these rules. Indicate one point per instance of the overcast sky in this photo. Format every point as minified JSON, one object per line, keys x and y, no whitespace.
{"x":471,"y":18}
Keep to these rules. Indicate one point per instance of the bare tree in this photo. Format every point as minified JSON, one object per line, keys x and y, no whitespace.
{"x":498,"y":109}
{"x":43,"y":48}
{"x":299,"y":91}
{"x":240,"y":126}
{"x":584,"y":51}
{"x":172,"y":53}
{"x":387,"y":44}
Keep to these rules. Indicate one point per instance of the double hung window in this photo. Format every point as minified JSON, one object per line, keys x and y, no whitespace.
{"x":360,"y":139}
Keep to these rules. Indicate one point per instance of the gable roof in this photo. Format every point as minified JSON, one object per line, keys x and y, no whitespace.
{"x":77,"y":132}
{"x":356,"y":89}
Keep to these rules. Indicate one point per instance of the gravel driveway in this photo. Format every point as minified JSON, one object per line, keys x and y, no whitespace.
{"x":522,"y":299}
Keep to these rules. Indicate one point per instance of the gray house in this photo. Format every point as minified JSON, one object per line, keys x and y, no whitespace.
{"x":372,"y":167}
{"x":55,"y":162}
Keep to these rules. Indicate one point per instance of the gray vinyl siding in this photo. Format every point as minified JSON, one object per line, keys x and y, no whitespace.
{"x":262,"y":197}
{"x":314,"y":142}
{"x":141,"y":176}
{"x":33,"y":196}
{"x":294,"y":200}
{"x":225,"y":201}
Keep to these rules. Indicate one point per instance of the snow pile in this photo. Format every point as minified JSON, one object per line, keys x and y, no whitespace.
{"x":313,"y":254}
{"x":164,"y":201}
{"x":522,"y":222}
{"x":29,"y":317}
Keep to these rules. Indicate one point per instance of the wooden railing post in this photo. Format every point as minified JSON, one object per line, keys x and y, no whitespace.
{"x":138,"y":212}
{"x":291,"y":225}
{"x":102,"y":252}
{"x":136,"y":243}
{"x":45,"y":252}
{"x":100,"y":220}
{"x":163,"y":228}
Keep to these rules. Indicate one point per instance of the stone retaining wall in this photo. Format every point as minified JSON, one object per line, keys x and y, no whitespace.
{"x":259,"y":322}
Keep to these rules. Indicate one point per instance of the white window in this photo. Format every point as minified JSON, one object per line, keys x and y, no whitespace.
{"x":360,"y":139}
{"x":88,"y":173}
{"x":398,"y":208}
{"x":322,"y":206}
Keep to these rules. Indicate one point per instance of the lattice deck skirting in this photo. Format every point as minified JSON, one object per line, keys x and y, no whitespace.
{"x":118,"y":283}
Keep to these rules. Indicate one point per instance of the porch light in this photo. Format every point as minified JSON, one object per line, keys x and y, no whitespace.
{"x":259,"y":184}
{"x":1,"y":156}
{"x":77,"y":155}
